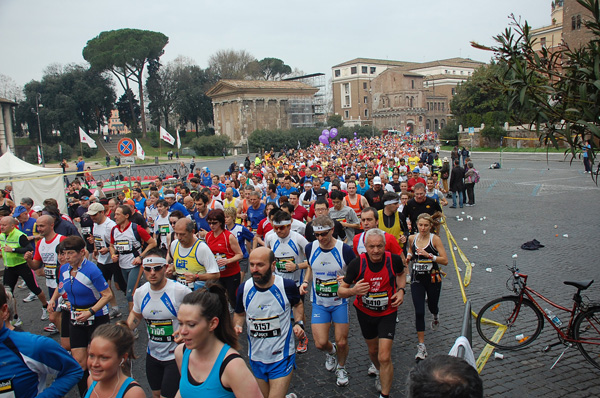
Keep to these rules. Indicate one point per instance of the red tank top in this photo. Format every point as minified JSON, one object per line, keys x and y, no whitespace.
{"x":378,"y":301}
{"x":220,"y":247}
{"x":357,"y":206}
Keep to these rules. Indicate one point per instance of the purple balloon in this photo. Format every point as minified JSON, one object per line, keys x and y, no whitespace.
{"x":333,"y":133}
{"x":355,"y":134}
{"x":325,"y":133}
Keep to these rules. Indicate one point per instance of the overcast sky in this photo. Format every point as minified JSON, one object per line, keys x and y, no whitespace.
{"x":309,"y":35}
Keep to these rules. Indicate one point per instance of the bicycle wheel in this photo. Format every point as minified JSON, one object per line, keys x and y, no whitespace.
{"x":586,"y":328}
{"x":522,"y":321}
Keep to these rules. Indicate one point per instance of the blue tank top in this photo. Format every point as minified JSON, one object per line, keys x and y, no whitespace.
{"x":211,"y":387}
{"x":120,"y":393}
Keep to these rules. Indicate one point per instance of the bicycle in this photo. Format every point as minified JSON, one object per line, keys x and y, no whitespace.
{"x":514,"y":322}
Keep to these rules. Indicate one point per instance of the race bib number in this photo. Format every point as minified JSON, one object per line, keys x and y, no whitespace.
{"x":376,"y":301}
{"x":164,"y":230}
{"x":6,"y":389}
{"x":50,"y":271}
{"x":326,"y":288}
{"x":160,"y":330}
{"x":98,"y":242}
{"x":422,"y":267}
{"x":265,"y":327}
{"x":281,"y":262}
{"x":181,"y":279}
{"x":122,"y":246}
{"x":75,"y":313}
{"x":86,"y":230}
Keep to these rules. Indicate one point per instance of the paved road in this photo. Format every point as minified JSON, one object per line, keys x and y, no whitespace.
{"x":521,"y":201}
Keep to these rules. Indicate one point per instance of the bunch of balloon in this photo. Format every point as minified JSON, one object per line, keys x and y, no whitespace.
{"x":324,"y":138}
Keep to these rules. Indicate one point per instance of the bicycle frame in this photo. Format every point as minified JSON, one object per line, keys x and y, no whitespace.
{"x":531,"y":294}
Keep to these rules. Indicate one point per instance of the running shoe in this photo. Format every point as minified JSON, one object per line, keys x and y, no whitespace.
{"x":136,"y":333}
{"x":114,"y":313}
{"x":342,"y":377}
{"x":331,"y":359}
{"x":372,"y":370}
{"x":435,"y":323}
{"x":378,"y":384}
{"x":421,"y":351}
{"x":291,"y":395}
{"x":45,"y":315}
{"x":31,"y":297}
{"x":51,"y":328}
{"x":22,"y":285}
{"x":16,"y":322}
{"x":302,"y":345}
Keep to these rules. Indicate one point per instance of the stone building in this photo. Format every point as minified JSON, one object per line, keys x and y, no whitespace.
{"x":411,"y":96}
{"x":242,"y":106}
{"x":575,"y":34}
{"x":7,"y":139}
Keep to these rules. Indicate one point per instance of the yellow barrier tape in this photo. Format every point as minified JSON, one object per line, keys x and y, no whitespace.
{"x":487,"y":351}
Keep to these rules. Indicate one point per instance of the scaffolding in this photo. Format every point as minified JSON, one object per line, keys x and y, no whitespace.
{"x":308,"y":112}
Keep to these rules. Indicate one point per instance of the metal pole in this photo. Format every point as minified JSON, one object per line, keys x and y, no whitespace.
{"x":37,"y":112}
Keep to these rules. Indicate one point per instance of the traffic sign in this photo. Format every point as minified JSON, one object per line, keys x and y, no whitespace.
{"x":126,"y":147}
{"x":471,"y":130}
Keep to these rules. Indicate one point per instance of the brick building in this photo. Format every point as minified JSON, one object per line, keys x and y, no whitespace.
{"x":575,"y":34}
{"x":242,"y":106}
{"x":401,"y":95}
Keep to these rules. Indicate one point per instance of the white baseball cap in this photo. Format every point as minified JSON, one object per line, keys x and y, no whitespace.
{"x":376,"y":180}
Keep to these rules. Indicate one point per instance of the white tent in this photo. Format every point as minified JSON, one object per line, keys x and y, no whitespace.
{"x":36,"y":182}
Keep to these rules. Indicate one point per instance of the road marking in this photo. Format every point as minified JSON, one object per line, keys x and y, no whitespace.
{"x":492,"y":185}
{"x":536,"y":189}
{"x":511,"y":170}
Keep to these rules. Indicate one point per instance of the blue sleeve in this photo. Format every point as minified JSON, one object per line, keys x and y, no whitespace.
{"x":239,"y":301}
{"x":246,"y":234}
{"x":50,"y":357}
{"x":348,"y":254}
{"x":308,"y":250}
{"x":291,"y":291}
{"x":97,"y":278}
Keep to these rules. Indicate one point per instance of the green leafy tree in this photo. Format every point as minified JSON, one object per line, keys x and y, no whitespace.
{"x":335,"y":121}
{"x":273,"y":68}
{"x":124,"y":107}
{"x":125,"y":53}
{"x":161,"y":88}
{"x":191,"y":103}
{"x":557,"y":90}
{"x":71,"y":97}
{"x":211,"y":145}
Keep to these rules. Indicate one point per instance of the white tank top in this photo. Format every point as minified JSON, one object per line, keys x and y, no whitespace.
{"x":49,"y":257}
{"x":326,"y":267}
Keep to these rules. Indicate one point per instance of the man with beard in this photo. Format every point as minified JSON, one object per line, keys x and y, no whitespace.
{"x":375,"y":194}
{"x":157,"y":301}
{"x":271,"y":346}
{"x":419,"y":204}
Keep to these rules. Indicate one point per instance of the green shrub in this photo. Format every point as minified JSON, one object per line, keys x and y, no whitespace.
{"x":210,"y":145}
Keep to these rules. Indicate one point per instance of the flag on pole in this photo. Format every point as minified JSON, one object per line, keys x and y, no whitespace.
{"x":298,"y":144}
{"x":60,"y":149}
{"x":164,"y":135}
{"x":139,"y":150}
{"x":86,"y":139}
{"x":178,"y":140}
{"x":39,"y":155}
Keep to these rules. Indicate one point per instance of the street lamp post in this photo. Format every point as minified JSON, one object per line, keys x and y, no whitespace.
{"x":38,"y":97}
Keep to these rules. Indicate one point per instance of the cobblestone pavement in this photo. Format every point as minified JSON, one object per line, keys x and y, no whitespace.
{"x":522,"y":201}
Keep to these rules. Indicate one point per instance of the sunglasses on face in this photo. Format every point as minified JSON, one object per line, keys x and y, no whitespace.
{"x":279,"y":227}
{"x":321,"y":234}
{"x":155,"y":268}
{"x":212,"y":222}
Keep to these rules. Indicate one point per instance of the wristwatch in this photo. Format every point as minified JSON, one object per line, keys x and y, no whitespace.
{"x":403,"y":289}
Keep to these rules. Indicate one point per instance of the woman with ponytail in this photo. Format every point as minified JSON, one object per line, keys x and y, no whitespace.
{"x":109,"y":362}
{"x":209,"y":363}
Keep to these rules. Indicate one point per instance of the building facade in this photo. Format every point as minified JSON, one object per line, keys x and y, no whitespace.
{"x":7,"y":139}
{"x":399,"y":95}
{"x":115,"y":125}
{"x":575,"y":34}
{"x":242,"y":106}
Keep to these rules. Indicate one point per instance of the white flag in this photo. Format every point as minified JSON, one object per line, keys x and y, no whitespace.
{"x":164,"y":135}
{"x":60,"y":149}
{"x":178,"y":140}
{"x":139,"y":150}
{"x":86,"y":139}
{"x":39,"y":155}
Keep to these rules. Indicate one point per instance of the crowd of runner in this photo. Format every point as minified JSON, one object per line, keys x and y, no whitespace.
{"x":205,"y":258}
